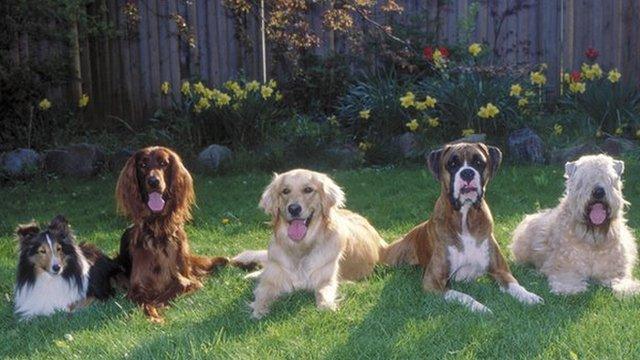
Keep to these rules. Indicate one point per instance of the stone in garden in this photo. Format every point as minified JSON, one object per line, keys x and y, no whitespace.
{"x":526,"y":146}
{"x":77,"y":160}
{"x":119,"y":158}
{"x":616,"y":146}
{"x":473,"y":138}
{"x":20,"y":163}
{"x":561,"y":156}
{"x":344,"y":157}
{"x":407,"y":144}
{"x":213,"y":156}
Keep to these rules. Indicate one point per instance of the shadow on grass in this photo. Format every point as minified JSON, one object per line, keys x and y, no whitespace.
{"x":407,"y":323}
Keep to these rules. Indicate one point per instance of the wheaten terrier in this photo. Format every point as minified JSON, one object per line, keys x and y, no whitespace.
{"x":585,"y":237}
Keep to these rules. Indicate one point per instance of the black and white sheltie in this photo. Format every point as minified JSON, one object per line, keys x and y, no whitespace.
{"x":56,"y":274}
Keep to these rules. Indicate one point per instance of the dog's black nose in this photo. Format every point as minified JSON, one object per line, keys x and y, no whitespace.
{"x":153,"y":181}
{"x":598,"y":192}
{"x":467,"y":175}
{"x":55,"y":268}
{"x":294,"y":209}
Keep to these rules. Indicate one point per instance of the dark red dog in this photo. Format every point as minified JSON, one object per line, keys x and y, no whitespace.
{"x":155,"y":190}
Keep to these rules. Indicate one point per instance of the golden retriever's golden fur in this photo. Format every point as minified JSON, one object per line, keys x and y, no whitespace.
{"x":315,"y":242}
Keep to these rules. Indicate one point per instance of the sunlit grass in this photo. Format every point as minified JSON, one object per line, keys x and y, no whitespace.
{"x":385,"y":316}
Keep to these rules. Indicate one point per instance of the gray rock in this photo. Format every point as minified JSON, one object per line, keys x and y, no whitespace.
{"x":616,"y":146}
{"x":473,"y":138}
{"x":212,"y":157}
{"x":119,"y":158}
{"x":344,"y":157}
{"x":561,"y":156}
{"x":407,"y":144}
{"x":526,"y":146}
{"x":20,"y":163}
{"x":78,"y":160}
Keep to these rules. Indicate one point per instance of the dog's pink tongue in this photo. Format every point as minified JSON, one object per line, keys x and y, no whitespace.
{"x":156,"y":202}
{"x":598,"y":214}
{"x":297,"y":230}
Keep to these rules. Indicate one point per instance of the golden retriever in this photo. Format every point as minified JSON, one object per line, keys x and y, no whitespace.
{"x":315,"y":243}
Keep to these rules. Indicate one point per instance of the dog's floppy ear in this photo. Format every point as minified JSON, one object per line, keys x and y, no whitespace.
{"x":128,"y":190}
{"x":180,"y":187}
{"x":331,"y":195}
{"x":496,"y":158}
{"x":569,"y":169}
{"x":26,"y":232}
{"x":618,"y":166}
{"x":59,"y":225}
{"x":433,"y":162}
{"x":268,"y":201}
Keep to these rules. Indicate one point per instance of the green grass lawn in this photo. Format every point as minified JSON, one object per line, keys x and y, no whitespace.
{"x":385,"y":316}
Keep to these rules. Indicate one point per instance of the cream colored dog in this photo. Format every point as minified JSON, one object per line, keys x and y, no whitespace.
{"x":315,"y":242}
{"x":585,"y":237}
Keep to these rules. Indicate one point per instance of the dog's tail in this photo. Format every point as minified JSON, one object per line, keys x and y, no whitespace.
{"x":203,"y":265}
{"x":400,"y":252}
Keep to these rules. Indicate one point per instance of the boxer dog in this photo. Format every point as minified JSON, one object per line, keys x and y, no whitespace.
{"x":457,"y":243}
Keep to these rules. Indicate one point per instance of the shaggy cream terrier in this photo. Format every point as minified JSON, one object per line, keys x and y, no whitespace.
{"x":585,"y":237}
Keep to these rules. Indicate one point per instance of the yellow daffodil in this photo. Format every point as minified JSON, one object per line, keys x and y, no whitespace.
{"x":619,"y":131}
{"x":365,"y":114}
{"x":199,"y":88}
{"x":364,"y":145}
{"x":566,"y":77}
{"x":577,"y":87}
{"x":202,"y":104}
{"x":272,"y":84}
{"x":428,"y":102}
{"x":597,"y":71}
{"x":185,"y":89}
{"x":538,"y":78}
{"x":44,"y":104}
{"x":439,"y":60}
{"x":252,"y":86}
{"x":266,"y":92}
{"x":614,"y":76}
{"x":523,"y":102}
{"x":333,"y":120}
{"x":475,"y":49}
{"x":433,"y":121}
{"x":278,"y":96}
{"x":488,"y":111}
{"x":557,"y":129}
{"x":468,"y":132}
{"x":413,"y":125}
{"x":223,"y":99}
{"x":516,"y":90}
{"x":591,"y":72}
{"x":165,"y":87}
{"x":83,"y":101}
{"x":408,"y":100}
{"x":225,"y":221}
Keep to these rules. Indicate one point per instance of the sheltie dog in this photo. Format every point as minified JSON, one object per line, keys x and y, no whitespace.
{"x":55,"y":274}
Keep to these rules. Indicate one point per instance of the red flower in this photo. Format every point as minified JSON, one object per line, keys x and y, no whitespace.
{"x":591,"y":53}
{"x":428,"y":53}
{"x":576,"y":76}
{"x":444,"y":52}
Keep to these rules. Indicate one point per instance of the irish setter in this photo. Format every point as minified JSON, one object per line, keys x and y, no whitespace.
{"x":155,"y":191}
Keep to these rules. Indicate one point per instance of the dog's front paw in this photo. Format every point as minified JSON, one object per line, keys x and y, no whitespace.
{"x":327,"y":305}
{"x":625,"y":287}
{"x":523,"y":295}
{"x":258,"y":310}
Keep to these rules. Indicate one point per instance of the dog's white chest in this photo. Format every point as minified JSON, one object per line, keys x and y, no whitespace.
{"x":47,"y":295}
{"x":469,"y":262}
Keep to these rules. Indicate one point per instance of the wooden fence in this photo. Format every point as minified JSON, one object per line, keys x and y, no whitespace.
{"x":122,"y":74}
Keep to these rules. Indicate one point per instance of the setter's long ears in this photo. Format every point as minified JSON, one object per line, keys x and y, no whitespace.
{"x":181,"y":188}
{"x":128,"y":194}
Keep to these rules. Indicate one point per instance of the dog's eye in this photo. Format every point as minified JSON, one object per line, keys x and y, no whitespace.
{"x":163,"y":163}
{"x":143,"y":165}
{"x":286,"y":191}
{"x":58,"y":248}
{"x":41,"y":251}
{"x":478,"y":163}
{"x":453,"y":163}
{"x":308,"y":190}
